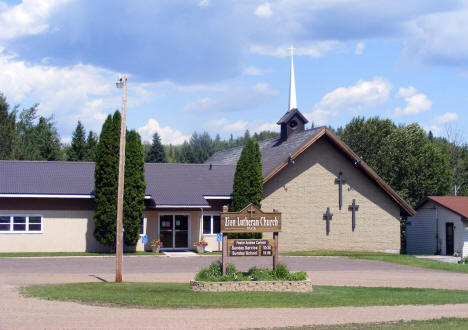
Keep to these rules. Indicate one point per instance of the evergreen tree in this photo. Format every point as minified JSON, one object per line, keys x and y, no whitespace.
{"x":156,"y":153}
{"x":105,"y":181}
{"x":24,"y":145}
{"x":134,"y":188}
{"x":91,"y":145}
{"x":248,"y":181}
{"x":7,"y":129}
{"x":77,"y":151}
{"x":46,"y":140}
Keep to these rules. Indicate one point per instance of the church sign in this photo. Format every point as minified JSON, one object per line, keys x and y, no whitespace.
{"x":251,"y":247}
{"x":250,"y":220}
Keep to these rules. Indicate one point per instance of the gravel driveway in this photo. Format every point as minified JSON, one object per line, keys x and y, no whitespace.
{"x":19,"y":312}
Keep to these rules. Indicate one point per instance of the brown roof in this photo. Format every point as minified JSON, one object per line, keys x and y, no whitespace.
{"x":457,"y":204}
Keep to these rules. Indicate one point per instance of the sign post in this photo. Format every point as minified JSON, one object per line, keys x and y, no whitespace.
{"x":250,"y":220}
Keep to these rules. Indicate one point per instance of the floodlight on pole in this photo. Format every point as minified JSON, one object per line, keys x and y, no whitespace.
{"x":121,"y":83}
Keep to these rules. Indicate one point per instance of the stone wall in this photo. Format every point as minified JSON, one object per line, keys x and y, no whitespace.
{"x":273,"y":286}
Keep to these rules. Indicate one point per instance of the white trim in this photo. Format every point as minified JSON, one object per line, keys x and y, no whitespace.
{"x":46,"y":196}
{"x":210,"y":214}
{"x":217,"y":197}
{"x":163,"y":206}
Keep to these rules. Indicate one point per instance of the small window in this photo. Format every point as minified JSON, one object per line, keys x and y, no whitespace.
{"x":20,"y":224}
{"x":35,"y":224}
{"x":4,"y":223}
{"x":211,"y":224}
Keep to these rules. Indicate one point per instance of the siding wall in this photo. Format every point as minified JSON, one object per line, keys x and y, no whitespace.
{"x":465,"y":239}
{"x":445,"y":216}
{"x":421,"y":233}
{"x":303,"y":191}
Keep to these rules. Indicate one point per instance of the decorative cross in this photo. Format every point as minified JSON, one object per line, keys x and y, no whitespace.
{"x":327,"y":217}
{"x":292,"y":50}
{"x":353,"y":208}
{"x":340,"y":180}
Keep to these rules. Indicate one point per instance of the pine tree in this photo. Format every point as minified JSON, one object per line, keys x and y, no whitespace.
{"x":248,"y":181}
{"x":105,"y":181}
{"x":91,"y":145}
{"x":134,"y":188}
{"x":156,"y":153}
{"x":46,"y":140}
{"x":7,"y":129}
{"x":77,"y":151}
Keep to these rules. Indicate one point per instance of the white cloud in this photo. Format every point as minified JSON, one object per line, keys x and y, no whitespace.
{"x":416,"y":102}
{"x":359,"y":50}
{"x":264,"y":10}
{"x":204,"y":3}
{"x":235,"y":99}
{"x":446,"y":118}
{"x":363,"y":94}
{"x":168,"y":135}
{"x":26,"y":18}
{"x":226,"y":126}
{"x":254,"y":71}
{"x":318,"y":117}
{"x":314,"y":49}
{"x":79,"y":92}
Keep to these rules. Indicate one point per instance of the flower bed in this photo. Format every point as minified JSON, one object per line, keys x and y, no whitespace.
{"x":256,"y":279}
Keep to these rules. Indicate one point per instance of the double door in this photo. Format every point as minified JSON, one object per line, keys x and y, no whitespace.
{"x":174,"y":231}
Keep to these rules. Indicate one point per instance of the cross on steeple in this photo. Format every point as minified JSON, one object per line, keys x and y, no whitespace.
{"x":353,"y":208}
{"x":328,"y":217}
{"x":340,"y":180}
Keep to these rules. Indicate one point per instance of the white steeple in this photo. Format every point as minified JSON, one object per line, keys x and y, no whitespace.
{"x":292,"y":85}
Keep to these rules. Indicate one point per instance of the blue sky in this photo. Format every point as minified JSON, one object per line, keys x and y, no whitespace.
{"x":223,"y":66}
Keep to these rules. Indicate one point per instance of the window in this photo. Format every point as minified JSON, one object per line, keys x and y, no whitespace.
{"x":20,"y":224}
{"x":211,"y":224}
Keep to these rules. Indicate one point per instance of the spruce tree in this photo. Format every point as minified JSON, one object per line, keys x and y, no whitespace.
{"x":248,"y":181}
{"x":77,"y":151}
{"x":134,"y":188}
{"x":156,"y":153}
{"x":91,"y":145}
{"x":105,"y":181}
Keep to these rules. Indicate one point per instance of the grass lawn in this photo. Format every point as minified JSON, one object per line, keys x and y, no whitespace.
{"x":401,"y":259}
{"x":71,"y":254}
{"x":442,"y":323}
{"x":155,"y":295}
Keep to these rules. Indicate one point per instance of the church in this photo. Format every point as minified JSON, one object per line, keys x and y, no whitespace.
{"x":329,"y":198}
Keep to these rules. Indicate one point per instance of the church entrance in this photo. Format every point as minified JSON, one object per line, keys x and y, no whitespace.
{"x":174,"y":231}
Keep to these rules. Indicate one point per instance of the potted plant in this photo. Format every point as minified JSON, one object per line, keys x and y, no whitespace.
{"x":200,"y":245}
{"x":156,"y":245}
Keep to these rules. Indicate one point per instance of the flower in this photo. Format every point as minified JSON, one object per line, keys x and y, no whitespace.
{"x":202,"y":242}
{"x":156,"y":243}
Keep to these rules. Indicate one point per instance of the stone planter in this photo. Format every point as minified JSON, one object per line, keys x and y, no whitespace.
{"x":201,"y":248}
{"x":273,"y":286}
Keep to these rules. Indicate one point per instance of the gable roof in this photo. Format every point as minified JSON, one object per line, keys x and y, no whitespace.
{"x":167,"y":184}
{"x":276,"y":155}
{"x":457,"y":204}
{"x":290,"y":114}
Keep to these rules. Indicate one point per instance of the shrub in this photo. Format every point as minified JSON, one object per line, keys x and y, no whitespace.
{"x":213,"y":273}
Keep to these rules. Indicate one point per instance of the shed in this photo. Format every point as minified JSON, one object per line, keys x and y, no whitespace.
{"x":440,"y":226}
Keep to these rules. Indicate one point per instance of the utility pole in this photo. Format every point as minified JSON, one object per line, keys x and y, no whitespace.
{"x":121,"y":83}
